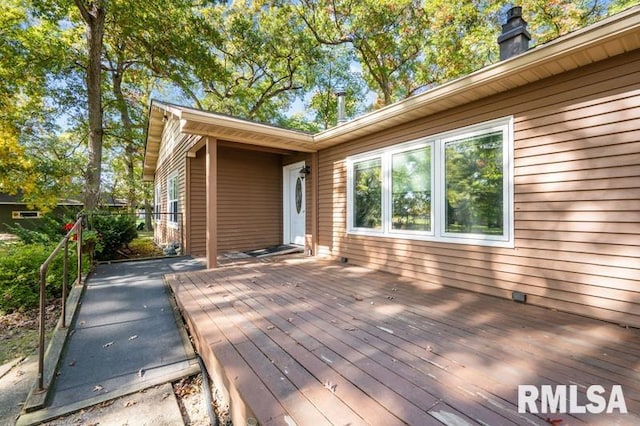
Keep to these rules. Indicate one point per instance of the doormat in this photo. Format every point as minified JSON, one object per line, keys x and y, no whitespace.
{"x":275,"y":250}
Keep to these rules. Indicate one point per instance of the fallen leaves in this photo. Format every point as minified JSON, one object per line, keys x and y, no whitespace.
{"x":328,"y":384}
{"x":187,"y":386}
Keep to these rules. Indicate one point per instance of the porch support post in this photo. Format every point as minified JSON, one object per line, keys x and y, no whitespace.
{"x":186,"y":219}
{"x":314,"y":202}
{"x":212,"y":195}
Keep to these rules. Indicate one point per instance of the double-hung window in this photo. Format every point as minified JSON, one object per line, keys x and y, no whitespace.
{"x":157,"y":204}
{"x":452,"y":187}
{"x":172,"y":199}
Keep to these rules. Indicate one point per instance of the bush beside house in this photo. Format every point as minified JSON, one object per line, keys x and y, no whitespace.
{"x":20,"y":261}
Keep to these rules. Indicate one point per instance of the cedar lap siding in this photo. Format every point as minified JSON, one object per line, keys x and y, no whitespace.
{"x":575,"y":109}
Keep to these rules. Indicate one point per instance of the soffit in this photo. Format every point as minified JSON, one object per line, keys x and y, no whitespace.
{"x":242,"y":131}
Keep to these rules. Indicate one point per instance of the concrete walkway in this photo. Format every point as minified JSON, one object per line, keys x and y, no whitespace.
{"x":125,"y":338}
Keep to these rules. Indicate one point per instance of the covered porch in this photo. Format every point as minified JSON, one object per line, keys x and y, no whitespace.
{"x":307,"y":341}
{"x":229,"y":183}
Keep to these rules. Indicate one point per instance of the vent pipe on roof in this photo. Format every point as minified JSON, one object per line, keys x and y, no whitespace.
{"x":515,"y":37}
{"x":341,"y":93}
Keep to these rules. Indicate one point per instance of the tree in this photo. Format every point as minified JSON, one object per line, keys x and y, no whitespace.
{"x":15,"y":168}
{"x":36,"y":159}
{"x":331,"y":74}
{"x":266,"y":55}
{"x":142,"y":55}
{"x":93,"y":13}
{"x":388,"y":38}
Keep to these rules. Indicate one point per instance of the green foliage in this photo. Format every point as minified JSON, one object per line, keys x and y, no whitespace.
{"x":114,"y":231}
{"x":91,"y":243}
{"x":266,"y":55}
{"x":248,"y":59}
{"x":48,"y":230}
{"x":20,"y":274}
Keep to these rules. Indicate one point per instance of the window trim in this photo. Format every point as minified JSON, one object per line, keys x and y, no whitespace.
{"x":26,"y":214}
{"x":438,"y":191}
{"x":170,"y":222}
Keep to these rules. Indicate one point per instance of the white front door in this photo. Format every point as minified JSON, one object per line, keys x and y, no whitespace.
{"x":294,"y":204}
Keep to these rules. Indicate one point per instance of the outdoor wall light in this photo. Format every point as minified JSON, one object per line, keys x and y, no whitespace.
{"x":304,"y":171}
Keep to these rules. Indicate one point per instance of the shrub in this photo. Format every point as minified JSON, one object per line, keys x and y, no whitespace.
{"x":20,"y":274}
{"x":114,"y":232}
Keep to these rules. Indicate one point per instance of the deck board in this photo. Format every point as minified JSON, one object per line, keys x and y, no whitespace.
{"x":315,"y":342}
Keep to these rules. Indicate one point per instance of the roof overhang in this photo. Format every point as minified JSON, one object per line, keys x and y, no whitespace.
{"x":203,"y":123}
{"x":610,"y":37}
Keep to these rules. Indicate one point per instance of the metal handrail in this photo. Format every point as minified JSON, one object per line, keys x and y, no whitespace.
{"x":64,"y":244}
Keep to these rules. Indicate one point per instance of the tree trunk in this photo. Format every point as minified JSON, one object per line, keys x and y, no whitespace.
{"x":94,"y":13}
{"x":129,"y":145}
{"x":148,"y":212}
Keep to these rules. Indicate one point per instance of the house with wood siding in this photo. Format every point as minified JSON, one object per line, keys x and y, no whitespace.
{"x":520,"y":180}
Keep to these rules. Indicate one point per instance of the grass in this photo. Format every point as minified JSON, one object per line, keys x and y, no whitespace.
{"x":142,"y":247}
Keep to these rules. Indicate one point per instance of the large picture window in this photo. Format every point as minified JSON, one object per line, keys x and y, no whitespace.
{"x":172,"y":199}
{"x":453,"y":187}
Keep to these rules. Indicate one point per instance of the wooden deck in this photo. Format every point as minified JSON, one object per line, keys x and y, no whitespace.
{"x":311,"y":342}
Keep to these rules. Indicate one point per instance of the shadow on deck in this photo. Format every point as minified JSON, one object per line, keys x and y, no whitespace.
{"x":316,"y":342}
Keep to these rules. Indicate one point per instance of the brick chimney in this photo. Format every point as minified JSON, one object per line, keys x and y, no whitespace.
{"x":515,"y":37}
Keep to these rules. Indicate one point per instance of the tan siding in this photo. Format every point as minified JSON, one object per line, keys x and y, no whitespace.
{"x":197,"y":234}
{"x":577,"y":198}
{"x":249,"y":199}
{"x":173,"y":159}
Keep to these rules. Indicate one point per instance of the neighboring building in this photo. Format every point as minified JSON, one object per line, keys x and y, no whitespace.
{"x":521,"y":177}
{"x":14,"y":211}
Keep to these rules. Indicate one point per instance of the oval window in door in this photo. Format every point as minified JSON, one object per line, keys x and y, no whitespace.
{"x":298,"y":195}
